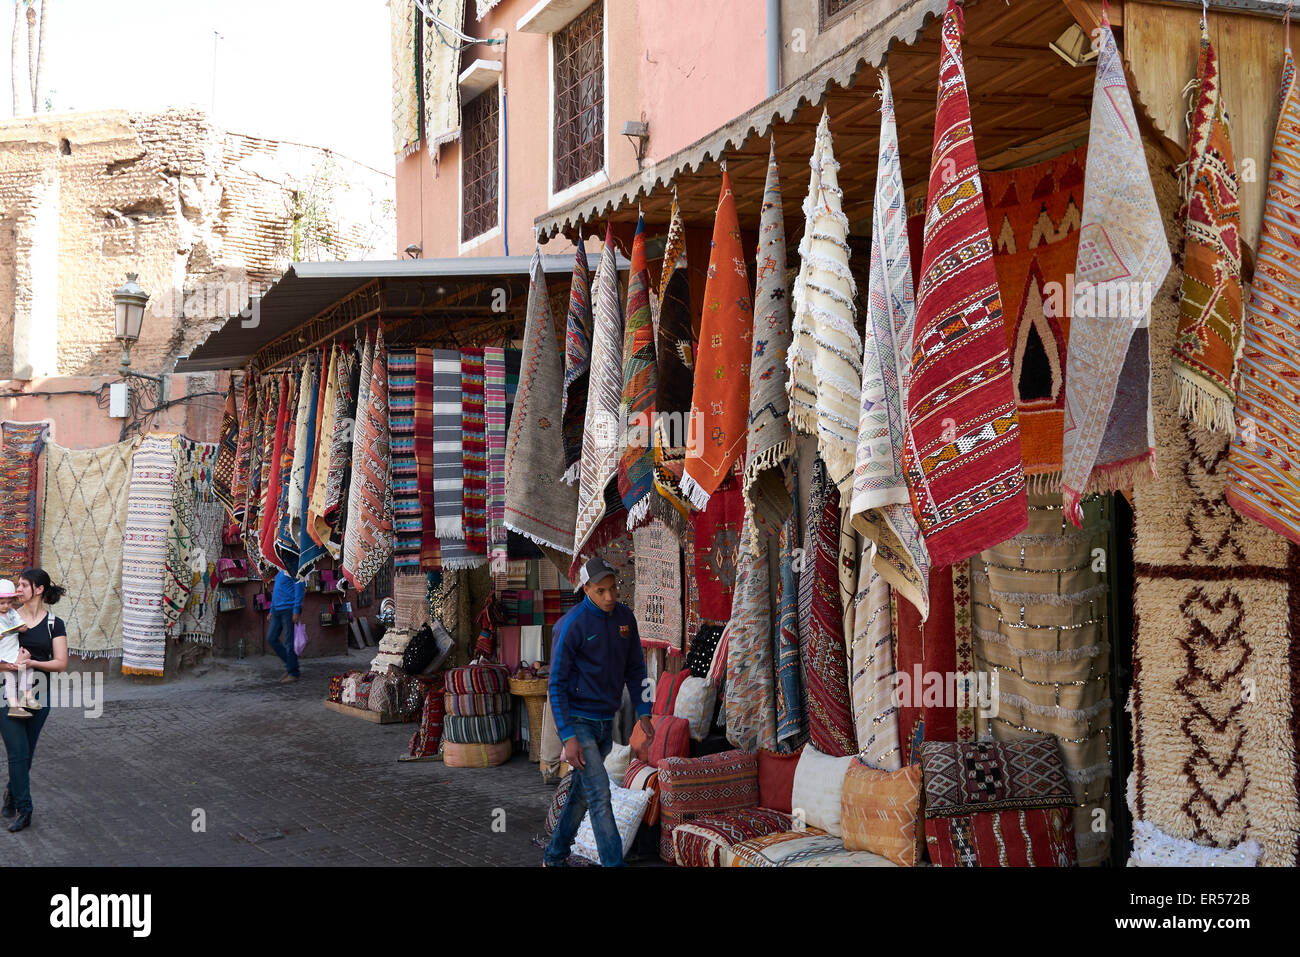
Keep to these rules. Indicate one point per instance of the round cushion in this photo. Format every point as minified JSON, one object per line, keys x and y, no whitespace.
{"x":476,"y":728}
{"x":477,"y":703}
{"x":479,"y":679}
{"x":475,"y":755}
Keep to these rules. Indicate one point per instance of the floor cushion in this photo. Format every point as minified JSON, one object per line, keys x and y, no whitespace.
{"x":1152,"y":847}
{"x":629,"y":808}
{"x":880,"y":811}
{"x":818,"y":788}
{"x":691,"y":788}
{"x":672,"y":739}
{"x":478,"y":679}
{"x":667,"y":690}
{"x":616,"y":762}
{"x":642,"y":777}
{"x":476,"y":728}
{"x":706,"y":841}
{"x":475,"y":755}
{"x":776,"y":778}
{"x":695,"y":703}
{"x":810,"y":847}
{"x":1033,"y":837}
{"x":458,"y":704}
{"x":557,"y":803}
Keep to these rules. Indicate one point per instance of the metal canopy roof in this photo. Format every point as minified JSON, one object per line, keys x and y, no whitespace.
{"x":308,"y":289}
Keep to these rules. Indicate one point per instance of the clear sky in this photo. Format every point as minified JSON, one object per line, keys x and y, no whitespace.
{"x":310,"y":71}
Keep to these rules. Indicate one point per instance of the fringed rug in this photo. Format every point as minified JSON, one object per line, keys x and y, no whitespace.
{"x":331,"y":522}
{"x":303,"y":449}
{"x":720,"y":398}
{"x":966,"y":469}
{"x":228,"y":442}
{"x":144,"y":555}
{"x":790,"y":726}
{"x":322,"y":460}
{"x":406,"y":92}
{"x":674,"y":374}
{"x":283,"y":549}
{"x":249,"y":421}
{"x":407,"y":523}
{"x":1216,"y":676}
{"x":494,"y":413}
{"x":188,"y":553}
{"x":440,"y":81}
{"x":255,"y":512}
{"x":82,"y":529}
{"x":198,"y":622}
{"x":21,"y":449}
{"x":830,"y":710}
{"x":373,"y":516}
{"x":473,"y":512}
{"x":658,"y":586}
{"x":577,"y":364}
{"x":310,"y":550}
{"x":926,"y":658}
{"x":539,"y":505}
{"x":871,"y":670}
{"x":448,"y":463}
{"x":1034,"y":218}
{"x":1040,"y":609}
{"x":636,"y":462}
{"x":716,"y":540}
{"x":750,"y":696}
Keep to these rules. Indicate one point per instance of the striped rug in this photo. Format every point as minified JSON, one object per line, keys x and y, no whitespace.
{"x":144,"y":555}
{"x":406,"y":486}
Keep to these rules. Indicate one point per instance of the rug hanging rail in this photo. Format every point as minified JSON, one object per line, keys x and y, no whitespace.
{"x":321,"y":327}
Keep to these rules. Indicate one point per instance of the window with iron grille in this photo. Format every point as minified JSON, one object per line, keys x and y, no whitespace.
{"x":580,"y":98}
{"x":479,"y":132}
{"x":833,"y":8}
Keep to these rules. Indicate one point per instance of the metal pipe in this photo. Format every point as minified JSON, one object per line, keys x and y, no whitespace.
{"x":773,"y":46}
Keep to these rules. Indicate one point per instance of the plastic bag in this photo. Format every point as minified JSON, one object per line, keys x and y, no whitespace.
{"x":299,"y":638}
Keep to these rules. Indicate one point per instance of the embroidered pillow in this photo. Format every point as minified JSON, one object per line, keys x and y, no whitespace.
{"x":1032,"y":837}
{"x":818,"y":787}
{"x":629,"y":808}
{"x":806,"y":848}
{"x":707,"y":841}
{"x":993,"y":776}
{"x":695,"y":703}
{"x":880,"y":812}
{"x":1152,"y":847}
{"x":693,"y":787}
{"x":557,"y":803}
{"x":776,"y":778}
{"x":672,"y":739}
{"x":616,"y":762}
{"x":666,"y":691}
{"x":642,"y":777}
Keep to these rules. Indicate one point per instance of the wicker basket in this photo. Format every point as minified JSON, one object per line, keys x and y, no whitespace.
{"x":475,"y":755}
{"x":533,"y":691}
{"x":526,"y":687}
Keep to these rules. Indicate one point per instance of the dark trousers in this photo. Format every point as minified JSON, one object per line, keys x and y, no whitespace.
{"x":20,"y":736}
{"x":282,"y":624}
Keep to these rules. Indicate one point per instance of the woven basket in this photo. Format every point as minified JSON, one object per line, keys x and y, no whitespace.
{"x":527,"y":687}
{"x":475,"y":755}
{"x":536,"y":708}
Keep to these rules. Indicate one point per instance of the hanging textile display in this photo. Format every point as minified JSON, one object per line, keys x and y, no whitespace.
{"x":324,"y":451}
{"x":310,"y":552}
{"x":144,"y":555}
{"x":275,"y":473}
{"x":539,"y":505}
{"x":720,"y":398}
{"x":1209,"y":323}
{"x":286,"y":541}
{"x":789,"y":678}
{"x":83,"y":524}
{"x":407,"y":524}
{"x":1040,"y":610}
{"x":473,"y":451}
{"x":1123,"y":259}
{"x":370,"y":549}
{"x":1264,"y":461}
{"x":881,"y":507}
{"x":577,"y":365}
{"x":406,"y":90}
{"x":637,"y":410}
{"x":244,"y":445}
{"x":830,"y":714}
{"x":1034,"y":217}
{"x":825,"y":379}
{"x":768,"y":444}
{"x":255,"y":516}
{"x":674,"y":375}
{"x":494,"y":411}
{"x":966,"y":467}
{"x":422,"y":405}
{"x":304,"y":425}
{"x":658,"y":586}
{"x":19,"y":453}
{"x":441,"y":79}
{"x":871,"y":669}
{"x":187,"y":556}
{"x":750,"y":698}
{"x":716,"y":540}
{"x":331,"y":523}
{"x":596,"y":521}
{"x":448,"y":463}
{"x":224,"y":475}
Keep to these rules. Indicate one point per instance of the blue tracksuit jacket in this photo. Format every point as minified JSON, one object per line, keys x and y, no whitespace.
{"x":593,"y":656}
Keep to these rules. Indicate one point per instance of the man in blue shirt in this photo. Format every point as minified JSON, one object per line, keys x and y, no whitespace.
{"x":286,"y":611}
{"x":595,"y":653}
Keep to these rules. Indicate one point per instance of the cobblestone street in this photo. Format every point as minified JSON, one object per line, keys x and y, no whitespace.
{"x":280,"y":780}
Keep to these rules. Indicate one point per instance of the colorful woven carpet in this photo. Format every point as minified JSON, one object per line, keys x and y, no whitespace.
{"x":244,"y":449}
{"x":188,"y":556}
{"x":494,"y":406}
{"x":360,"y":425}
{"x":270,"y":517}
{"x":768,"y":445}
{"x":881,"y":506}
{"x":658,"y":586}
{"x":324,"y":445}
{"x":21,"y":449}
{"x":538,"y":504}
{"x":448,"y":462}
{"x":374,"y":514}
{"x":1034,"y":215}
{"x":224,"y":475}
{"x":440,"y":80}
{"x":144,"y":555}
{"x":1123,"y":258}
{"x":825,"y":374}
{"x":303,"y":448}
{"x":716,"y":540}
{"x":83,"y":524}
{"x":789,"y":678}
{"x":260,"y":476}
{"x":406,"y":92}
{"x":830,"y":710}
{"x":675,"y":374}
{"x":577,"y":364}
{"x":283,"y":543}
{"x":473,"y":451}
{"x":329,"y":524}
{"x":636,"y":462}
{"x":422,"y":415}
{"x":720,"y":399}
{"x":1209,"y":322}
{"x":750,"y":698}
{"x":310,"y":551}
{"x":407,"y":522}
{"x":1264,"y":465}
{"x":966,"y":467}
{"x":595,"y":524}
{"x":926,"y":651}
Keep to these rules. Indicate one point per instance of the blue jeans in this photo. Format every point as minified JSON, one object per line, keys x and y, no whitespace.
{"x":20,"y":736}
{"x":282,"y":624}
{"x":589,"y":791}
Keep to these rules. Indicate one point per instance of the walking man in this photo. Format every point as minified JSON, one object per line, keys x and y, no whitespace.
{"x":286,"y":611}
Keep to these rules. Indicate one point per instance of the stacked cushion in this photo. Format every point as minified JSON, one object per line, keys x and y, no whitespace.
{"x":475,"y":755}
{"x":479,"y":679}
{"x":807,"y":848}
{"x":629,"y":808}
{"x":478,"y":707}
{"x":557,"y":803}
{"x":644,"y":777}
{"x":776,"y":778}
{"x":879,"y":812}
{"x":695,"y":701}
{"x":672,"y":739}
{"x":476,"y":728}
{"x":818,"y":789}
{"x":691,"y":788}
{"x":616,"y":762}
{"x":998,"y":804}
{"x":707,"y":841}
{"x":666,"y":691}
{"x":461,"y":704}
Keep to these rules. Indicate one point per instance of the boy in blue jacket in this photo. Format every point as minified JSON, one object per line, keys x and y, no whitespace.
{"x":286,"y":611}
{"x":595,"y":653}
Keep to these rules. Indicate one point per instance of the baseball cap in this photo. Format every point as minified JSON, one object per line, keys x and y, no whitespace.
{"x":595,"y":569}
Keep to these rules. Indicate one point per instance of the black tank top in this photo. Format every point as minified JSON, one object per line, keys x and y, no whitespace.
{"x":39,"y":639}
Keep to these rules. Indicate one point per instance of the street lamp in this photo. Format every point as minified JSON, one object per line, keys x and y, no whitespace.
{"x":128,"y":316}
{"x":129,"y":301}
